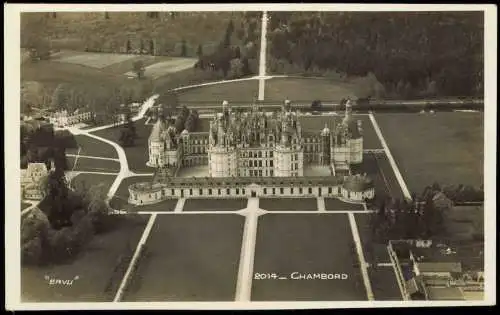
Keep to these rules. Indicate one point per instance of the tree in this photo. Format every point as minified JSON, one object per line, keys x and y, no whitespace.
{"x":139,"y":69}
{"x":60,"y":97}
{"x":236,"y":69}
{"x":199,"y":52}
{"x":152,"y":47}
{"x":128,"y":46}
{"x":183,"y":48}
{"x":128,"y":134}
{"x":141,"y":46}
{"x":34,"y":232}
{"x":33,"y":25}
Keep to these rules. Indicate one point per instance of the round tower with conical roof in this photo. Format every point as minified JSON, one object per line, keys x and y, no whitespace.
{"x":156,"y":144}
{"x":325,"y":146}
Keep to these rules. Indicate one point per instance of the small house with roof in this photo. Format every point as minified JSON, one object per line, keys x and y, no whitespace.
{"x":30,"y":180}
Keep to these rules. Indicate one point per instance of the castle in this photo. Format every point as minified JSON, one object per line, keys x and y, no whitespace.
{"x":252,"y":154}
{"x":258,"y":144}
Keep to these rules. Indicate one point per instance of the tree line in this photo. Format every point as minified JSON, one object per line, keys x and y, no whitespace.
{"x":410,"y":53}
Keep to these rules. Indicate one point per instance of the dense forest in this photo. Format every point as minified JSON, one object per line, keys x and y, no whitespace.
{"x":411,"y":53}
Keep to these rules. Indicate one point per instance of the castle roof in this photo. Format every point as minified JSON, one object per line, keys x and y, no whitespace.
{"x":156,"y":132}
{"x":325,"y":131}
{"x":358,"y":183}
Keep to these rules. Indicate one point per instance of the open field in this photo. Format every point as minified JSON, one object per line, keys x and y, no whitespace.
{"x":103,"y":251}
{"x":52,"y":73}
{"x":287,"y":204}
{"x":189,"y":258}
{"x":233,"y":92}
{"x":201,"y":204}
{"x":447,"y":148}
{"x":307,"y":89}
{"x":317,"y":123}
{"x":89,"y":59}
{"x":162,"y":68}
{"x":332,"y":204}
{"x":137,"y":155}
{"x":120,"y":199}
{"x":88,"y":180}
{"x":307,"y":244}
{"x":127,"y":65}
{"x":92,"y":147}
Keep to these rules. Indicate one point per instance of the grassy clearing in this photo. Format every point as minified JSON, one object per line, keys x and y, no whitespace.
{"x":93,"y":60}
{"x":307,"y":244}
{"x":51,"y":74}
{"x":287,"y":204}
{"x":189,"y":258}
{"x":127,"y":65}
{"x":443,"y":147}
{"x":162,"y":68}
{"x":307,"y":89}
{"x":233,"y":92}
{"x":214,"y":204}
{"x":94,"y":268}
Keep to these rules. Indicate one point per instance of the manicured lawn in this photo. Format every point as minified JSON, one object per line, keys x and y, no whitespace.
{"x":167,"y":205}
{"x":89,"y":180}
{"x":120,"y":199}
{"x":94,"y":268}
{"x":447,"y":148}
{"x":189,"y":258}
{"x":307,"y":89}
{"x":233,"y":92}
{"x":92,"y":147}
{"x":287,"y":204}
{"x":201,"y":204}
{"x":374,"y":252}
{"x":306,"y":243}
{"x":384,"y":284}
{"x":94,"y":165}
{"x":332,"y":204}
{"x":317,"y":123}
{"x":137,"y":155}
{"x":24,"y":205}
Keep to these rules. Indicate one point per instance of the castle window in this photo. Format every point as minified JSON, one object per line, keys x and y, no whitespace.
{"x":301,"y":191}
{"x":260,"y":173}
{"x":173,"y":192}
{"x":228,"y":191}
{"x":291,"y":190}
{"x":274,"y":191}
{"x":260,"y":154}
{"x":243,"y":191}
{"x":281,"y":190}
{"x":250,"y":163}
{"x":265,"y":191}
{"x":271,"y":154}
{"x":271,"y":163}
{"x":251,"y":173}
{"x":260,"y":163}
{"x":237,"y":191}
{"x":296,"y":166}
{"x":218,"y":191}
{"x":190,"y":191}
{"x":329,"y":190}
{"x":310,"y":190}
{"x":271,"y":172}
{"x":210,"y":191}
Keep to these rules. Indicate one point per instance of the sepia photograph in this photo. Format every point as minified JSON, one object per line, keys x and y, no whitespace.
{"x":250,"y":156}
